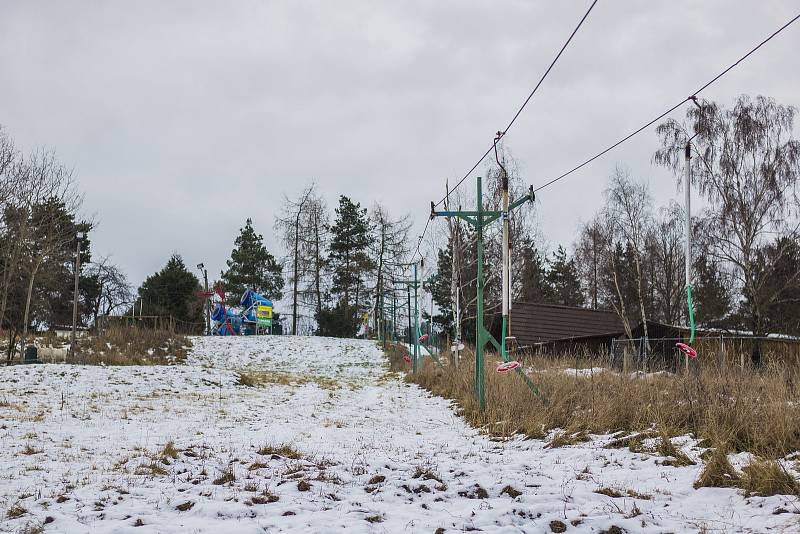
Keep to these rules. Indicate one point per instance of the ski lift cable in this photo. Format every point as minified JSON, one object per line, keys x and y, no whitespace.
{"x":524,"y":103}
{"x":673,"y":108}
{"x":513,"y":119}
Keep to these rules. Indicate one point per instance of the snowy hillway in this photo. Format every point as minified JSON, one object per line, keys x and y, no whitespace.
{"x":82,"y":450}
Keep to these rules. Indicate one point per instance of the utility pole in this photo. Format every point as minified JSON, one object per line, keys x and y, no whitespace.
{"x":78,"y":238}
{"x":203,"y":269}
{"x":416,"y":317}
{"x":415,"y":333}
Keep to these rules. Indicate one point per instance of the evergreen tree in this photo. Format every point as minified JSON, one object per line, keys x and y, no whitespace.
{"x":173,"y":291}
{"x":563,"y":280}
{"x":783,"y":314}
{"x":340,"y":320}
{"x":349,"y":259}
{"x":252,"y":266}
{"x":440,"y":289}
{"x":535,"y":284}
{"x":710,"y":295}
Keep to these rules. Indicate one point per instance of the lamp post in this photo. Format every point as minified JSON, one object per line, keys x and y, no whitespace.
{"x":80,"y":236}
{"x":203,"y":270}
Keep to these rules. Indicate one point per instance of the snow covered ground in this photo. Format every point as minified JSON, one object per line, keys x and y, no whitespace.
{"x":82,"y":449}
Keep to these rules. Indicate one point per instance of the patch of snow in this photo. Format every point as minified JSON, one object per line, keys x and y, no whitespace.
{"x":81,"y":445}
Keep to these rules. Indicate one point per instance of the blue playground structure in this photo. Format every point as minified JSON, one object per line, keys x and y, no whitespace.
{"x":253,"y":316}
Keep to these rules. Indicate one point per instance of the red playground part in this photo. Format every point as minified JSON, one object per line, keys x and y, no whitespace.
{"x":686,"y":349}
{"x":424,"y":338}
{"x":508,"y":366}
{"x":406,"y":359}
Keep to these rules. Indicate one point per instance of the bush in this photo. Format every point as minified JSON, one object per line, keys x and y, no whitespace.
{"x":131,"y":345}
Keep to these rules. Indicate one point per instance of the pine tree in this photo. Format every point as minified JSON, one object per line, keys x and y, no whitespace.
{"x":252,"y":266}
{"x":440,"y":289}
{"x":172,"y":291}
{"x":349,"y":259}
{"x":711,"y":297}
{"x":535,"y":285}
{"x":564,"y":280}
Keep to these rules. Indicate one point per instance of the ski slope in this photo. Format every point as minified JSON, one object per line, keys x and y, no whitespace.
{"x":81,"y":451}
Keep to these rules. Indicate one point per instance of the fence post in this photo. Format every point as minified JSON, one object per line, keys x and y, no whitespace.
{"x":721,"y":351}
{"x":626,"y":357}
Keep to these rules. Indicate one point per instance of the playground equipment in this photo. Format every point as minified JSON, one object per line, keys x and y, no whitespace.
{"x":252,"y":316}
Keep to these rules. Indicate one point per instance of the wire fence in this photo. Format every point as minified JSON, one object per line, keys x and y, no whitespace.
{"x":722,"y":351}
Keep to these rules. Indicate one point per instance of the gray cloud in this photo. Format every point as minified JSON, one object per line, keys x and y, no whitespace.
{"x":181,"y":119}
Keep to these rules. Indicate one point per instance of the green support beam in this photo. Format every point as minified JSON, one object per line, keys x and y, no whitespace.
{"x":479,"y":219}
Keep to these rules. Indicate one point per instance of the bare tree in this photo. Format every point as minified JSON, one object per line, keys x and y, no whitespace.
{"x":314,"y":245}
{"x":390,"y":247}
{"x":629,"y":214}
{"x":289,"y":225}
{"x":746,"y":164}
{"x":111,"y":290}
{"x":589,"y":251}
{"x":38,"y":178}
{"x":665,"y":255}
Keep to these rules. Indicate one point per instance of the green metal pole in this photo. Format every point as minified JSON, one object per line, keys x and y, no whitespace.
{"x":479,"y":337}
{"x":408,"y":291}
{"x":394,"y":317}
{"x":416,"y":320}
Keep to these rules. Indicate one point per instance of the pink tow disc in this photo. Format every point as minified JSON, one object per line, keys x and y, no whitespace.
{"x":508,"y":366}
{"x":406,"y":359}
{"x":424,"y":338}
{"x":686,"y":349}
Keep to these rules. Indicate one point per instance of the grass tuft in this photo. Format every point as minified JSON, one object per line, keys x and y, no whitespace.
{"x":766,"y":478}
{"x":284,"y":450}
{"x":226,"y":477}
{"x":718,"y":472}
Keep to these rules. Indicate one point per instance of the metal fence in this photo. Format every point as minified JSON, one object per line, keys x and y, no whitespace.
{"x":661,"y":354}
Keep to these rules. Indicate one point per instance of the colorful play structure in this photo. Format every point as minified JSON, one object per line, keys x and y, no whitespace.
{"x":253,"y":315}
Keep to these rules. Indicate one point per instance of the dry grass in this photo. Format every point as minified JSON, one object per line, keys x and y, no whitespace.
{"x":284,"y":450}
{"x":749,"y":411}
{"x":15,"y":511}
{"x":169,"y":451}
{"x":120,"y":345}
{"x":768,"y":477}
{"x":255,"y":378}
{"x":227,"y":476}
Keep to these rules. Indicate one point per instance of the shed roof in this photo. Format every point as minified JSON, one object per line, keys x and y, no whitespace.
{"x":541,"y":323}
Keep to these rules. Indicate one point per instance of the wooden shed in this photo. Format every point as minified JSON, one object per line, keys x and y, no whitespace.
{"x":563,"y":327}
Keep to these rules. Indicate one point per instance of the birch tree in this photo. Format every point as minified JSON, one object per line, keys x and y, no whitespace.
{"x":746,"y":163}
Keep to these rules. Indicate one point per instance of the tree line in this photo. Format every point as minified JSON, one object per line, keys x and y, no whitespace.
{"x":629,"y":256}
{"x":41,"y":235}
{"x":335,"y":265}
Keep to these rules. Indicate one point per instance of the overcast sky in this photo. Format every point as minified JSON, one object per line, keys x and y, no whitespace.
{"x":181,"y":119}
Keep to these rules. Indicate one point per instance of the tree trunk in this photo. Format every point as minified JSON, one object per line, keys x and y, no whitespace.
{"x":296,"y":257}
{"x":641,"y":300}
{"x":317,"y":264}
{"x":25,"y":317}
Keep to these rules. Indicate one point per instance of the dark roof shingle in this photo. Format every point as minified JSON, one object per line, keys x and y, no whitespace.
{"x":540,"y":323}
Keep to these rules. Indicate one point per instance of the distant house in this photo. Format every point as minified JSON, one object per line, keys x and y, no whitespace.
{"x":564,"y":327}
